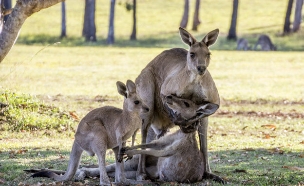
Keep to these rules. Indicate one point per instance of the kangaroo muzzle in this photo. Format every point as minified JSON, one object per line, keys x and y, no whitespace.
{"x":201,"y":70}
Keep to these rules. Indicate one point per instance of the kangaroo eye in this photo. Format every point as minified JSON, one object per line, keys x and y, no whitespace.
{"x":136,"y":102}
{"x":192,"y":55}
{"x":186,"y":104}
{"x":208,"y":55}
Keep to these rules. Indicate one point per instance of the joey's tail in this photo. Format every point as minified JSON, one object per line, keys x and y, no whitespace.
{"x":72,"y":167}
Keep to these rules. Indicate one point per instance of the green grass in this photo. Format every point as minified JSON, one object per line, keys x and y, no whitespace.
{"x":255,"y":138}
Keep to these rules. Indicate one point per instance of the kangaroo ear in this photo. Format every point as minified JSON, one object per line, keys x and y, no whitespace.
{"x":121,"y":88}
{"x":186,"y":37}
{"x":207,"y":109}
{"x":131,"y":87}
{"x":211,"y":37}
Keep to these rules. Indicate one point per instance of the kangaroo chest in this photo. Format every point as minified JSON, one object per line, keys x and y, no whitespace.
{"x":185,"y":86}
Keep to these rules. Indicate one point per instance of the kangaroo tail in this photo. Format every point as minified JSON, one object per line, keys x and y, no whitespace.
{"x":71,"y":170}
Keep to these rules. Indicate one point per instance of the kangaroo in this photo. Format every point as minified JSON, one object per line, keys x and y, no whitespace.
{"x":179,"y":158}
{"x":265,"y":42}
{"x":104,"y":128}
{"x":242,"y":44}
{"x":184,"y":74}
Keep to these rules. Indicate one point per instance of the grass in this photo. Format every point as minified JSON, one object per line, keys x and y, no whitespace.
{"x":256,"y":137}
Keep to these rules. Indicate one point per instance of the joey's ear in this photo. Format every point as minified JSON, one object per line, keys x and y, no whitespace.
{"x":121,"y":88}
{"x":186,"y":37}
{"x":131,"y":87}
{"x":211,"y":37}
{"x":207,"y":109}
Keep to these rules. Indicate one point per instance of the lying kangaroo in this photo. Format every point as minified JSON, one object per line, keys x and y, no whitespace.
{"x":104,"y":128}
{"x":184,"y":74}
{"x":242,"y":44}
{"x":180,"y":159}
{"x":265,"y":42}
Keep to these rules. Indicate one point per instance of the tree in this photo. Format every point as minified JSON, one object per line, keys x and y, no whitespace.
{"x":111,"y":38}
{"x":63,"y":21}
{"x":297,"y":16}
{"x":22,"y":10}
{"x":196,"y":20}
{"x":286,"y":28}
{"x":184,"y":20}
{"x":232,"y":30}
{"x":89,"y":28}
{"x":133,"y":35}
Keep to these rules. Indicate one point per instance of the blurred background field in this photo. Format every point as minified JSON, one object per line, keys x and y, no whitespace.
{"x":256,"y":137}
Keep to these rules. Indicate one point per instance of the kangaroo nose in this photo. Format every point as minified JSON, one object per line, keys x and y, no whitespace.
{"x":146,"y":109}
{"x":201,"y":69}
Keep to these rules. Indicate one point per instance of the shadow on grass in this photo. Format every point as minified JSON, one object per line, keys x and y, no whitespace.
{"x":250,"y":167}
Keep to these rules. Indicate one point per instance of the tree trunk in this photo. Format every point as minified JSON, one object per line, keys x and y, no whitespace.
{"x":1,"y":14}
{"x":196,"y":20}
{"x":297,"y":16}
{"x":133,"y":35}
{"x":7,"y":5}
{"x":89,"y":28}
{"x":232,"y":30}
{"x":22,"y":10}
{"x":63,"y":21}
{"x":111,"y":38}
{"x":286,"y":28}
{"x":184,"y":21}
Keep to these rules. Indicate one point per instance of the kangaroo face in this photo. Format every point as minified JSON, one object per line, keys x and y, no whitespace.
{"x":136,"y":104}
{"x":185,"y":108}
{"x":132,"y":101}
{"x":198,"y":57}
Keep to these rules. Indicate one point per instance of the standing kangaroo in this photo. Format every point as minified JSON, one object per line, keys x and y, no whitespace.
{"x":265,"y":42}
{"x":184,"y":74}
{"x":105,"y":128}
{"x":179,"y":158}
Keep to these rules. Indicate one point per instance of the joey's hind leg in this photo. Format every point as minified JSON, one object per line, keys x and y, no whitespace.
{"x":100,"y":150}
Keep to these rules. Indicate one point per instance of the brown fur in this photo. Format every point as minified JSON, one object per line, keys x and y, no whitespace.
{"x":105,"y":128}
{"x":265,"y":42}
{"x":184,"y":74}
{"x":242,"y":44}
{"x":179,"y":158}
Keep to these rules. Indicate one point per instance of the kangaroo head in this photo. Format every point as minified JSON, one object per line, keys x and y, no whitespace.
{"x":187,"y":109}
{"x":198,"y":57}
{"x":132,"y":101}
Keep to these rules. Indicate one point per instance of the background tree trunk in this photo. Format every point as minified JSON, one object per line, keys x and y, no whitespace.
{"x":89,"y":28}
{"x":111,"y":38}
{"x":184,"y":21}
{"x":232,"y":30}
{"x":196,"y":20}
{"x":133,"y":35}
{"x":63,"y":20}
{"x":22,"y":10}
{"x":297,"y":16}
{"x":7,"y":5}
{"x":286,"y":28}
{"x":1,"y":15}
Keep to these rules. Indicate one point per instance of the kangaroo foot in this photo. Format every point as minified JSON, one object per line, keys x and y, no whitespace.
{"x":216,"y":178}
